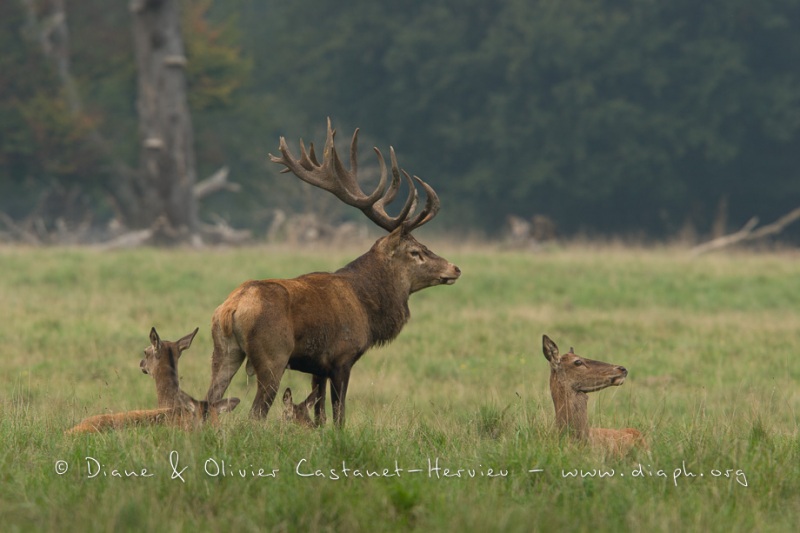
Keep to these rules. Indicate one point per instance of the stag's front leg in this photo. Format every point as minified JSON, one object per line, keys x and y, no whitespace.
{"x":339,"y":380}
{"x":318,"y":384}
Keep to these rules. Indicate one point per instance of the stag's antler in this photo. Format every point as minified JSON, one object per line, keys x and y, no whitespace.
{"x":332,"y":176}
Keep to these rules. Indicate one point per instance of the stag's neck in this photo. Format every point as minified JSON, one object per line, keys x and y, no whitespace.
{"x":381,"y":292}
{"x":168,"y":389}
{"x":571,"y":408}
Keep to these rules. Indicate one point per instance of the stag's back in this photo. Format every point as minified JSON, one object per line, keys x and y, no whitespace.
{"x":308,"y":315}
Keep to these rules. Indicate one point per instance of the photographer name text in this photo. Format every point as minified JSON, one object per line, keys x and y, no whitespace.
{"x":432,"y":468}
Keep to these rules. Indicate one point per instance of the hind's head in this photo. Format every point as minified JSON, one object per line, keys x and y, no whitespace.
{"x":164,"y":354}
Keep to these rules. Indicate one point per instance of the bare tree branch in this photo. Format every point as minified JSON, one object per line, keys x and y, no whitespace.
{"x":748,"y":233}
{"x":18,"y":232}
{"x":218,"y":181}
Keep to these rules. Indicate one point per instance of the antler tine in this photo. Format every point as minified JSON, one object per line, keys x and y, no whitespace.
{"x":354,"y":154}
{"x":432,"y":205}
{"x":377,"y":212}
{"x":307,"y":160}
{"x":332,"y":176}
{"x":304,"y":168}
{"x":311,"y":154}
{"x":341,"y":181}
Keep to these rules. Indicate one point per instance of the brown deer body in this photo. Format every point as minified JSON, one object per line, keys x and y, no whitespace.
{"x":175,"y":407}
{"x":112,"y":421}
{"x":322,"y":323}
{"x":572,"y":377}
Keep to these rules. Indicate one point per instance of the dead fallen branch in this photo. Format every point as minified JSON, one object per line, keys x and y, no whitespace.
{"x":748,"y":233}
{"x":218,"y":181}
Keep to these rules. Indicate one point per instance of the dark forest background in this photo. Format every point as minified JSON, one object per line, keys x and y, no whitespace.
{"x":636,"y":118}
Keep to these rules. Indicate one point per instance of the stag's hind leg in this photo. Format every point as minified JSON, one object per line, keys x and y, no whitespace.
{"x":269,"y":380}
{"x":269,"y":356}
{"x":225,"y":362}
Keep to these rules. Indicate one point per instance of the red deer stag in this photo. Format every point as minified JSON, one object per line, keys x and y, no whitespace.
{"x":571,"y":378}
{"x":322,"y":323}
{"x":175,"y":407}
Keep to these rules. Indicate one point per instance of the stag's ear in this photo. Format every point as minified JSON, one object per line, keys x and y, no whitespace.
{"x":287,"y":397}
{"x":550,"y":350}
{"x":186,"y":341}
{"x":394,"y":238}
{"x":154,"y":339}
{"x":405,"y":229}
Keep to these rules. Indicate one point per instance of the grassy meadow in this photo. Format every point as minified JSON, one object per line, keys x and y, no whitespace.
{"x":712,"y":345}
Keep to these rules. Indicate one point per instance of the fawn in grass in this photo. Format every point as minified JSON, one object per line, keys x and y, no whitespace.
{"x":299,"y":412}
{"x":175,"y":407}
{"x":572,"y":377}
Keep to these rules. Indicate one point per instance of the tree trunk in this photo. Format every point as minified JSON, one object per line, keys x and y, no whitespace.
{"x":167,"y":162}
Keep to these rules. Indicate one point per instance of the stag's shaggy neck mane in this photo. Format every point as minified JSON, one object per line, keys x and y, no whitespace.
{"x":571,"y":408}
{"x":384,"y":296}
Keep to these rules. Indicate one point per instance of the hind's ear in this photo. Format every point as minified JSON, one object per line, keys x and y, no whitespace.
{"x":550,"y":350}
{"x":154,"y":338}
{"x":312,"y":399}
{"x":287,"y":397}
{"x":186,"y":341}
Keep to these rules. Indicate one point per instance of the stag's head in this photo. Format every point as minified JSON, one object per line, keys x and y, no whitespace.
{"x":421,"y":267}
{"x":159,"y":352}
{"x":579,"y":373}
{"x":416,"y":266}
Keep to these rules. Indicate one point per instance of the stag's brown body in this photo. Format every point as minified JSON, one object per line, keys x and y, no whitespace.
{"x":322,"y":323}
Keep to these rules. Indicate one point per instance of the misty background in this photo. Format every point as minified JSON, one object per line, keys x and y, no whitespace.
{"x":644,"y":119}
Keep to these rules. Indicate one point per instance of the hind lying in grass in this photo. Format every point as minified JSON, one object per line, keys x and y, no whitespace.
{"x":572,"y":377}
{"x":299,"y":412}
{"x":175,"y":407}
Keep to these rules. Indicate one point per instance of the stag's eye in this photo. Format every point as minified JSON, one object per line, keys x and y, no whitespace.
{"x":578,"y":362}
{"x":416,"y":254}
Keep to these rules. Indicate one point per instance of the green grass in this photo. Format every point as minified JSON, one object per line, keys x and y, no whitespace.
{"x":712,"y":347}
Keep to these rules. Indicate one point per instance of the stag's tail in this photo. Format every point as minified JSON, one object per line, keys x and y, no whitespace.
{"x":143,"y":417}
{"x":223,"y":317}
{"x":246,"y":297}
